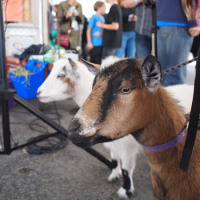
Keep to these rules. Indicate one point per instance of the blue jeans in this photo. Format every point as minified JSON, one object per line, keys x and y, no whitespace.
{"x":128,"y":45}
{"x":174,"y":44}
{"x":143,"y":46}
{"x":108,"y":52}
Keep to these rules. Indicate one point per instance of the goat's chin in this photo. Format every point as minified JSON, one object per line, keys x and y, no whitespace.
{"x":44,"y":99}
{"x":47,"y":99}
{"x":87,"y":141}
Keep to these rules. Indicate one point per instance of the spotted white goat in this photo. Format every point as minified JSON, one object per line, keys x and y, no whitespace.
{"x":128,"y":99}
{"x":70,"y":79}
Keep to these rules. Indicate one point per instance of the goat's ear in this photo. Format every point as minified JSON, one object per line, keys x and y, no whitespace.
{"x":94,"y":68}
{"x":74,"y":67}
{"x":72,"y":63}
{"x":151,"y":73}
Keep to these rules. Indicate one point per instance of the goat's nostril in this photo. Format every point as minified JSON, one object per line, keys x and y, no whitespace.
{"x":38,"y":92}
{"x":74,"y":125}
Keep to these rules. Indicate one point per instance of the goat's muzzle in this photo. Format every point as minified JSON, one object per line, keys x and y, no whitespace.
{"x":83,"y":141}
{"x":73,"y":134}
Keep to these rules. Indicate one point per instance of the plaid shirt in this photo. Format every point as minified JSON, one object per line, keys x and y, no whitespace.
{"x":144,"y":20}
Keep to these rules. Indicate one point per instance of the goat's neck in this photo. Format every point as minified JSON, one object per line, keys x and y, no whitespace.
{"x":167,"y":122}
{"x":83,"y":85}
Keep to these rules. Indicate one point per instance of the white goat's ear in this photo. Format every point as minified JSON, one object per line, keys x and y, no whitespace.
{"x":94,"y":68}
{"x":72,"y":63}
{"x":151,"y":73}
{"x":74,"y":67}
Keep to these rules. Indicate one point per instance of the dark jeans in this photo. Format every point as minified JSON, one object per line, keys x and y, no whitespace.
{"x":96,"y":55}
{"x":84,"y":50}
{"x":108,"y":52}
{"x":174,"y":44}
{"x":143,"y":46}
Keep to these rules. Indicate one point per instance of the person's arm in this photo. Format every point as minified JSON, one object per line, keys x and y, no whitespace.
{"x":89,"y":41}
{"x":193,"y":28}
{"x":114,"y":26}
{"x":131,"y":3}
{"x":79,"y":15}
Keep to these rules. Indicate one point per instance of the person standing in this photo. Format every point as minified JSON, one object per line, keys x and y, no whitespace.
{"x":112,"y":34}
{"x":70,"y":17}
{"x":95,"y":33}
{"x":128,"y":35}
{"x":143,"y":31}
{"x":84,"y":39}
{"x":177,"y":27}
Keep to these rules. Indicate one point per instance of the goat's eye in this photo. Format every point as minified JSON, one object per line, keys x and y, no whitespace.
{"x":61,"y":76}
{"x":126,"y":90}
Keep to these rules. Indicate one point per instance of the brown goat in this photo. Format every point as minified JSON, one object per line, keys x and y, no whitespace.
{"x":127,"y":99}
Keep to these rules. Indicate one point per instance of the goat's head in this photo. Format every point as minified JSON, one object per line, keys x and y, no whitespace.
{"x":60,"y":84}
{"x":120,"y":102}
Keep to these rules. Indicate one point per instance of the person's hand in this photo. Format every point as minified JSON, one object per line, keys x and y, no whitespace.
{"x":69,"y":14}
{"x":90,"y":45}
{"x":194,"y":31}
{"x":75,"y":13}
{"x":99,"y":24}
{"x":132,"y":18}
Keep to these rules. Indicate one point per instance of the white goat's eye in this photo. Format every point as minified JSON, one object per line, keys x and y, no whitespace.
{"x":126,"y":90}
{"x":61,"y":76}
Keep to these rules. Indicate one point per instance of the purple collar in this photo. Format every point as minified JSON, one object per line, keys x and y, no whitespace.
{"x":174,"y":141}
{"x":162,"y":147}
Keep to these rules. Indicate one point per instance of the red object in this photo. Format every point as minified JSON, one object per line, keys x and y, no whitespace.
{"x":47,"y":70}
{"x":64,"y":40}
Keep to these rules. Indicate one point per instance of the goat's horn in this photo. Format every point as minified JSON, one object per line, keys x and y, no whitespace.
{"x":98,"y":67}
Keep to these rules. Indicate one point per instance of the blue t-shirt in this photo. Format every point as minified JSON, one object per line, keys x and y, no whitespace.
{"x":96,"y":32}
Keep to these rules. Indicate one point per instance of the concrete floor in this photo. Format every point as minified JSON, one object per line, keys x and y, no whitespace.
{"x":69,"y":174}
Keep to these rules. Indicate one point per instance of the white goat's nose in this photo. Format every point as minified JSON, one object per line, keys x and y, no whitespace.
{"x":39,"y":92}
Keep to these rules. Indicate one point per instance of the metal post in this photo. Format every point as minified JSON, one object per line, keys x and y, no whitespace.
{"x":4,"y":88}
{"x":152,"y":4}
{"x":154,"y":31}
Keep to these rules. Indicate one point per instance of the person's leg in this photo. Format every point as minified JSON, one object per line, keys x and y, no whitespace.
{"x":108,"y":52}
{"x":100,"y":49}
{"x":84,"y":52}
{"x":95,"y":55}
{"x":121,"y":51}
{"x":143,"y":46}
{"x":195,"y":46}
{"x":92,"y":55}
{"x":174,"y":44}
{"x":130,"y":46}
